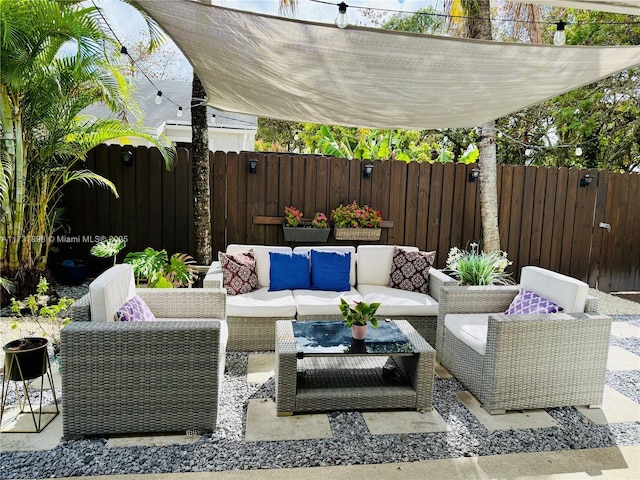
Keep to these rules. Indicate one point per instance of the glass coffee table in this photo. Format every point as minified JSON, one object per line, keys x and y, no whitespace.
{"x":319,"y":367}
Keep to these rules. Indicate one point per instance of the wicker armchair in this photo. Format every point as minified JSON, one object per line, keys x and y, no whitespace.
{"x":145,"y":377}
{"x":528,"y":361}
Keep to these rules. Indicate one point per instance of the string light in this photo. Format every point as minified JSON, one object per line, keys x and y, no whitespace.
{"x":159,"y":97}
{"x":179,"y":112}
{"x":341,"y":20}
{"x":578,"y":151}
{"x":559,"y":37}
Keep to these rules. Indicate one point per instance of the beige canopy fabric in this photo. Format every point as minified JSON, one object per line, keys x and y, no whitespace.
{"x":629,"y":7}
{"x":293,"y":70}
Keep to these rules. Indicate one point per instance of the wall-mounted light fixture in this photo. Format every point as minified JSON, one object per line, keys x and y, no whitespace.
{"x":128,"y":155}
{"x":586,"y":180}
{"x":474,"y":174}
{"x":253,"y":166}
{"x":366,"y":171}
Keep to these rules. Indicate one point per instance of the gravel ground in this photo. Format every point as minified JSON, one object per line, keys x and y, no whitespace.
{"x":351,"y":443}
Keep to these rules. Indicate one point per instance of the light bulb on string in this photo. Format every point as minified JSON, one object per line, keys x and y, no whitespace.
{"x":578,"y":151}
{"x":559,"y":37}
{"x":528,"y":152}
{"x":159,"y":98}
{"x":341,"y":20}
{"x":213,"y":119}
{"x":179,"y":112}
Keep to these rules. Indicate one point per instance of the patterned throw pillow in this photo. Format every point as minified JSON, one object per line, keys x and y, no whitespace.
{"x":410,"y":270}
{"x":239,"y":272}
{"x":134,"y":310}
{"x":527,"y":302}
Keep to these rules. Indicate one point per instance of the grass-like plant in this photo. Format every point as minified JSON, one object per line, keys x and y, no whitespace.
{"x":475,"y":267}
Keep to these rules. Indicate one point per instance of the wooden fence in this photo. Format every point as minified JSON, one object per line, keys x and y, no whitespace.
{"x":545,"y":217}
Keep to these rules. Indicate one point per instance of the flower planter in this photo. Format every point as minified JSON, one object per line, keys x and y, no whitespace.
{"x":368,"y":234}
{"x":25,"y":362}
{"x":305,"y":233}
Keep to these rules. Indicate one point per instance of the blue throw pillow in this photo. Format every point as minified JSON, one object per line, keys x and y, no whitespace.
{"x":330,"y":271}
{"x":288,"y":271}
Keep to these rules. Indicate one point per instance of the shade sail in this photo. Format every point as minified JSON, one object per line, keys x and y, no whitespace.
{"x":294,"y":70}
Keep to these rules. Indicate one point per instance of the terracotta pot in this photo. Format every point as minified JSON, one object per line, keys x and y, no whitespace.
{"x":359,"y":332}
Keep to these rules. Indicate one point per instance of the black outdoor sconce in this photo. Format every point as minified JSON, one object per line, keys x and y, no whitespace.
{"x":128,"y":154}
{"x":253,"y":166}
{"x":474,"y":174}
{"x":586,"y":180}
{"x":367,"y":170}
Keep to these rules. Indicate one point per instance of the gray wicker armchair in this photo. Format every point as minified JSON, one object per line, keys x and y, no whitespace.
{"x":526,"y":361}
{"x":145,"y":377}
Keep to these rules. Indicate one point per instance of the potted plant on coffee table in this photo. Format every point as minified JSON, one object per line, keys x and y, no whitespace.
{"x":358,"y":317}
{"x":297,"y":230}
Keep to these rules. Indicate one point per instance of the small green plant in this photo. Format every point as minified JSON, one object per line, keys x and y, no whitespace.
{"x":478,"y":268}
{"x":361,"y":314}
{"x":159,"y":270}
{"x":42,"y":312}
{"x":108,"y":248}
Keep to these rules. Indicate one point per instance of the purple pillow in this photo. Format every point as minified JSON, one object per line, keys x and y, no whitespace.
{"x":527,"y":302}
{"x":134,"y":310}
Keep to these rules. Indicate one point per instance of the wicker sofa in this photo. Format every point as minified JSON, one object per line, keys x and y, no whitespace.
{"x":518,"y":362}
{"x":142,"y":377}
{"x":252,"y":316}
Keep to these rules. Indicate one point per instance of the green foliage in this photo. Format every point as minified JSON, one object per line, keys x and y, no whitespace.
{"x":108,"y":248}
{"x":44,"y":87}
{"x":422,"y":21}
{"x":160,"y":271}
{"x":478,"y":268}
{"x":38,"y":307}
{"x":361,"y":314}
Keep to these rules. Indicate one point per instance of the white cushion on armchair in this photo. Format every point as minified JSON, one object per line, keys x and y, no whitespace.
{"x":109,"y":291}
{"x":567,"y":292}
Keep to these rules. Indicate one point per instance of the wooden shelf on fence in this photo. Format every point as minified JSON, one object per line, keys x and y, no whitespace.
{"x":262,"y":220}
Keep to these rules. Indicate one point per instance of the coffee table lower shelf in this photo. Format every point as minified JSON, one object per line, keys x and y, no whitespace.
{"x":352,"y":382}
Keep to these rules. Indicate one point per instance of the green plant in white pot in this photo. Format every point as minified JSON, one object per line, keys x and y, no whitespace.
{"x":358,"y":317}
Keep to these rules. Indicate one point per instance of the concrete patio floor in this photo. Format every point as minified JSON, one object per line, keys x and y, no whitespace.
{"x":263,"y":425}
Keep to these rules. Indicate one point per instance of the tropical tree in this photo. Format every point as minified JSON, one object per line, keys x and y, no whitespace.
{"x":54,"y":64}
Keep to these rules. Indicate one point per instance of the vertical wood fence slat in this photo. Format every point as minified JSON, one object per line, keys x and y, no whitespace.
{"x":545,"y":217}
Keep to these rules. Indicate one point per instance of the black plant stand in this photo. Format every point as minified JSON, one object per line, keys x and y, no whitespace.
{"x":12,"y":361}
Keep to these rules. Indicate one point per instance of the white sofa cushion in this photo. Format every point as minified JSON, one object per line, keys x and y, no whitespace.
{"x":337,"y":248}
{"x":110,"y":291}
{"x":261,"y":254}
{"x":323,"y":302}
{"x":262,"y":303}
{"x":374,"y":263}
{"x":567,"y":292}
{"x":395,"y":302}
{"x":470,"y":328}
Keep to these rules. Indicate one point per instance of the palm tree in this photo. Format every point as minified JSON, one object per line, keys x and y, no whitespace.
{"x":44,"y":137}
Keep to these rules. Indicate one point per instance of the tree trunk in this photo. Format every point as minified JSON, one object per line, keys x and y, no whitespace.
{"x":480,"y":28}
{"x":200,"y":174}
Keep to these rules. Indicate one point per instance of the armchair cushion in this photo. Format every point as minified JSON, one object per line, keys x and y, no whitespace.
{"x":410,"y":270}
{"x":239,"y":272}
{"x":134,"y":310}
{"x":566,"y":292}
{"x":469,"y":328}
{"x":109,"y":291}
